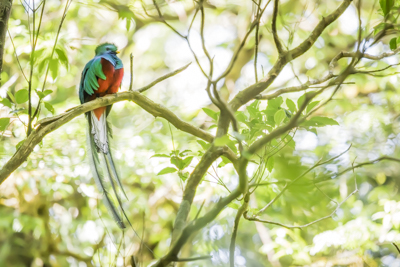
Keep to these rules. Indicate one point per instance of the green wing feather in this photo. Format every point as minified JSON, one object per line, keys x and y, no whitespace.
{"x":92,"y":71}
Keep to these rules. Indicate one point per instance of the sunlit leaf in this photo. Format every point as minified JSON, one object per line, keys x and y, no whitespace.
{"x":183,"y":175}
{"x":178,"y":162}
{"x":184,"y":152}
{"x":5,"y":102}
{"x":21,"y":96}
{"x":222,"y":141}
{"x":20,"y":143}
{"x":312,"y":105}
{"x":49,"y":107}
{"x":213,"y":114}
{"x":279,"y":116}
{"x":40,"y":94}
{"x":320,"y":121}
{"x":300,"y":101}
{"x":203,"y":144}
{"x":10,"y":95}
{"x":186,"y":161}
{"x":53,"y":65}
{"x":4,"y":123}
{"x":270,"y":164}
{"x":160,"y":156}
{"x":223,"y":162}
{"x":167,"y":170}
{"x":393,"y":44}
{"x":386,"y":5}
{"x":62,"y":56}
{"x":290,"y":104}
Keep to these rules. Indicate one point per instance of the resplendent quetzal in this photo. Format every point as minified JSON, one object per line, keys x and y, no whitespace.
{"x":102,"y":76}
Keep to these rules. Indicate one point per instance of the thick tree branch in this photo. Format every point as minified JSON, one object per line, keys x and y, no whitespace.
{"x":5,"y":10}
{"x":321,"y":26}
{"x":195,"y":226}
{"x":190,"y":189}
{"x":48,"y":125}
{"x":250,"y":92}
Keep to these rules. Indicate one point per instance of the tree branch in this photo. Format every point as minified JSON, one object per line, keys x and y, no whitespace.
{"x":305,"y":225}
{"x":48,"y":125}
{"x":4,"y":16}
{"x":274,"y":32}
{"x":250,"y":92}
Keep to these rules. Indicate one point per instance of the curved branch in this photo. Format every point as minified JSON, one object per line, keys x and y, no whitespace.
{"x":49,"y":125}
{"x":274,"y":32}
{"x":250,"y":92}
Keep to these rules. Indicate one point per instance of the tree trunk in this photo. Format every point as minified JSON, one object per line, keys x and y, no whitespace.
{"x":5,"y":10}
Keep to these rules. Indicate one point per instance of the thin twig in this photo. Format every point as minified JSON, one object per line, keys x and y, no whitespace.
{"x":15,"y":52}
{"x":131,"y":82}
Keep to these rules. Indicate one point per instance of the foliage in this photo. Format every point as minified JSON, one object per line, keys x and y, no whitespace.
{"x":330,"y":126}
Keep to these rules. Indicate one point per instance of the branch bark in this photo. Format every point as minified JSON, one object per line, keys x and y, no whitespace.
{"x":5,"y":10}
{"x":49,"y":125}
{"x":250,"y":92}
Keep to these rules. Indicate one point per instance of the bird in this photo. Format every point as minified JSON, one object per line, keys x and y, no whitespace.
{"x":102,"y":76}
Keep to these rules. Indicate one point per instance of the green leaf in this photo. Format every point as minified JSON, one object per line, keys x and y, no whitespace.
{"x":213,"y":114}
{"x":300,"y":101}
{"x":313,"y":130}
{"x":11,"y":96}
{"x":386,"y":5}
{"x":21,"y":96}
{"x":178,"y":162}
{"x":183,"y":175}
{"x":290,"y":104}
{"x":20,"y":143}
{"x":6,"y":102}
{"x":49,"y":107}
{"x":53,"y":65}
{"x":40,"y":94}
{"x":183,"y":153}
{"x":270,"y":164}
{"x":240,"y":116}
{"x":223,"y":162}
{"x":44,"y":93}
{"x":167,"y":170}
{"x":279,"y":116}
{"x":225,"y":140}
{"x":320,"y":121}
{"x":203,"y":144}
{"x":291,"y":143}
{"x":47,"y":92}
{"x":4,"y":123}
{"x":222,"y":141}
{"x":393,"y":44}
{"x":62,"y":56}
{"x":312,"y":105}
{"x":43,"y":63}
{"x":159,"y":156}
{"x":186,"y":161}
{"x":128,"y":24}
{"x":325,"y":120}
{"x":275,"y":103}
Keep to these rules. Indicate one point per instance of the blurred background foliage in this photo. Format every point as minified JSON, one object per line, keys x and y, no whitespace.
{"x":49,"y":209}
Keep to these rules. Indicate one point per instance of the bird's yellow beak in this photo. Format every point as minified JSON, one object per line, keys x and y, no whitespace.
{"x":117,"y":52}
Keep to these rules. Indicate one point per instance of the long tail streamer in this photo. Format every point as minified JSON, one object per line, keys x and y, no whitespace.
{"x":103,"y":168}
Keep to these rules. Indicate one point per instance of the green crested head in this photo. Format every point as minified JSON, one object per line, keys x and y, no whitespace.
{"x":106,"y":48}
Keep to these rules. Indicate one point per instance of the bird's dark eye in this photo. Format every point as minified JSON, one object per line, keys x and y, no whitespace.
{"x":108,"y":49}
